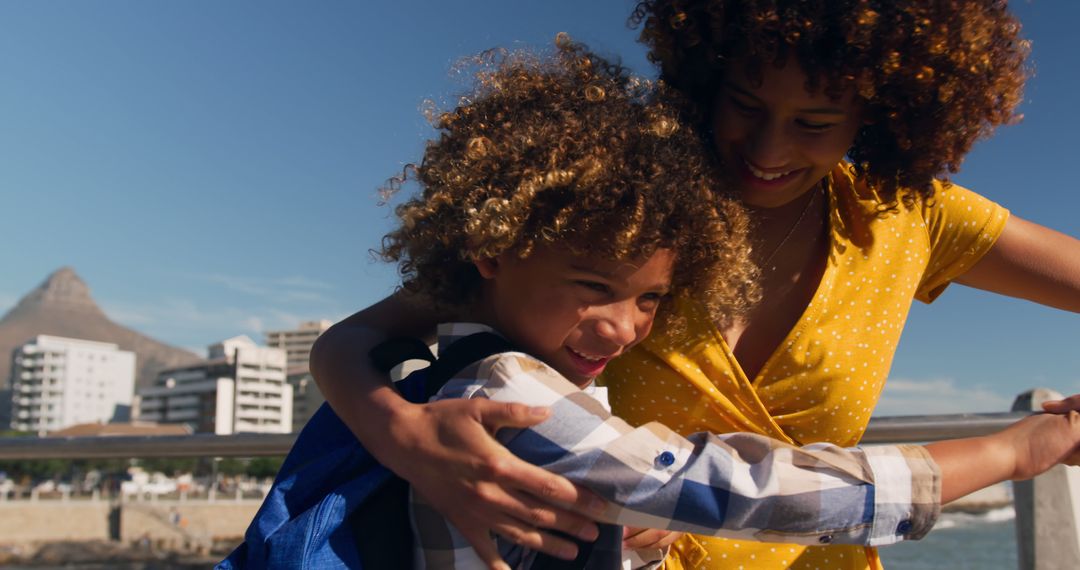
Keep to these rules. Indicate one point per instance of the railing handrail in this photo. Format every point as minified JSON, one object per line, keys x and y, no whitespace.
{"x":890,"y":429}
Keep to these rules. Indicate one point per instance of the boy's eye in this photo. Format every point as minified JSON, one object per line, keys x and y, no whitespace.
{"x":650,"y":301}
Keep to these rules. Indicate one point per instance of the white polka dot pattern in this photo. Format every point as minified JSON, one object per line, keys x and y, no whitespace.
{"x":823,"y":381}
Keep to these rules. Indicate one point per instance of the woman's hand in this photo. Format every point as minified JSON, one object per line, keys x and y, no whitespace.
{"x":647,"y":538}
{"x":445,"y":450}
{"x":1042,"y":441}
{"x":1063,"y":405}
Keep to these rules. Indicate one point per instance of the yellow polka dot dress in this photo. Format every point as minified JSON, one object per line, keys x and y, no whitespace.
{"x":823,"y":381}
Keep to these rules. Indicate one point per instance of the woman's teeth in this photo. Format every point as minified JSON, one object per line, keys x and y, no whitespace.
{"x":766,"y":175}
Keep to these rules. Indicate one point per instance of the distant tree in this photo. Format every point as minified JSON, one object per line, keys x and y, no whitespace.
{"x":262,"y":467}
{"x":231,"y":466}
{"x":171,"y":466}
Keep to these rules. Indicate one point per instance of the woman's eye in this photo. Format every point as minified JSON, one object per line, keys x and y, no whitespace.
{"x":742,"y":107}
{"x":815,"y":127}
{"x":593,"y":286}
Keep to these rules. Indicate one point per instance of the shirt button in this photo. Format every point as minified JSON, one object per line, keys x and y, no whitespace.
{"x":904,"y":527}
{"x":665,"y":459}
{"x":826,"y":539}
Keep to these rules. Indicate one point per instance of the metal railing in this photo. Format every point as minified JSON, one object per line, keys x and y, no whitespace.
{"x":892,"y":429}
{"x":1047,"y":537}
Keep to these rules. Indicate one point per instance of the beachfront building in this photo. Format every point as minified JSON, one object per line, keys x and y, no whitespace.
{"x":240,"y":387}
{"x":57,"y":382}
{"x":297,"y":342}
{"x":306,"y":396}
{"x":297,"y":346}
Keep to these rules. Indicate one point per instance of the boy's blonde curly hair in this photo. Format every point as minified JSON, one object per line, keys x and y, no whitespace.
{"x":571,"y":151}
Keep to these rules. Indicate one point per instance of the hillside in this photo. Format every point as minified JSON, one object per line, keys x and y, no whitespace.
{"x":62,"y":306}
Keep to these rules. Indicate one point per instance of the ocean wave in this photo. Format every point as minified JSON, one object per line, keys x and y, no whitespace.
{"x":958,"y":520}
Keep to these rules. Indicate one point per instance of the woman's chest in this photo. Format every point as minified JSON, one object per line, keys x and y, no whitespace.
{"x":811,"y":364}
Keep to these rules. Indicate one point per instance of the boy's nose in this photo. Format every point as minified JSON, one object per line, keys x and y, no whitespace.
{"x":618,"y":324}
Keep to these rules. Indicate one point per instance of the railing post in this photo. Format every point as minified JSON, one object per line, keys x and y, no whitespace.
{"x":1047,"y":507}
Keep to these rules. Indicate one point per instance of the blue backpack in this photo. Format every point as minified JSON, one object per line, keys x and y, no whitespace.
{"x":332,"y":504}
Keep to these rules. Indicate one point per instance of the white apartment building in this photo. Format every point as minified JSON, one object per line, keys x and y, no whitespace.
{"x":241,"y":387}
{"x":306,"y":397}
{"x":297,"y":343}
{"x":57,"y":382}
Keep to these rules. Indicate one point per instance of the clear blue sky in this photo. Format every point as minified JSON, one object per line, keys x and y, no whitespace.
{"x":210,"y":168}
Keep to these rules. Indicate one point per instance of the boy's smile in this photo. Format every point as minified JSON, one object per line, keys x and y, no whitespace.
{"x":574,"y":312}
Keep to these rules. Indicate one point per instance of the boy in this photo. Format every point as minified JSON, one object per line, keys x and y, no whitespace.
{"x":563,"y":206}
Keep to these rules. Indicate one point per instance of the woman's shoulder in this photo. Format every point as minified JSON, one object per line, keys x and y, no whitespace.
{"x":847,"y":183}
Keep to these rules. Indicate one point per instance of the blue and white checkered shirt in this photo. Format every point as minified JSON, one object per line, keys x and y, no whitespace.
{"x":739,"y":485}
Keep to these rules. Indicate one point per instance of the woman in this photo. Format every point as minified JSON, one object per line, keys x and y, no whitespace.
{"x":784,"y":91}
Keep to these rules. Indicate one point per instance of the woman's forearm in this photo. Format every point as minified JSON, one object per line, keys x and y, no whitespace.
{"x":362,"y":396}
{"x":968,"y":465}
{"x":444,"y":450}
{"x":1021,"y":451}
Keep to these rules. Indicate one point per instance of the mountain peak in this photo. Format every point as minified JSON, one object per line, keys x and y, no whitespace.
{"x":64,"y":290}
{"x":61,"y":306}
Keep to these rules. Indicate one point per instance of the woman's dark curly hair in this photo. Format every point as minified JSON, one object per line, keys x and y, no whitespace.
{"x":570,"y":151}
{"x":936,"y":75}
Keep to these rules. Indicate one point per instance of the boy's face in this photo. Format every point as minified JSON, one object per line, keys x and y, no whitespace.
{"x":573,"y":312}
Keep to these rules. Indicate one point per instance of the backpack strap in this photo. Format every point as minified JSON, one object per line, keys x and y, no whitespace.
{"x":389,"y":353}
{"x":463,"y":352}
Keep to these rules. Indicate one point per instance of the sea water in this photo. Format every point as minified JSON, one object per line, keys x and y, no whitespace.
{"x":983,"y":541}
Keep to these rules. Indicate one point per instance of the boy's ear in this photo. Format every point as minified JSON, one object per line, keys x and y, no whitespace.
{"x":487,"y":266}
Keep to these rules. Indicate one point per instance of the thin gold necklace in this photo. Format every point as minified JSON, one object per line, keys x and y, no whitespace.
{"x":791,"y":231}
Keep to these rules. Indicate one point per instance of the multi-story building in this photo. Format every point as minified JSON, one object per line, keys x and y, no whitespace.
{"x":297,"y":343}
{"x":57,"y":382}
{"x":241,"y":387}
{"x":306,"y":396}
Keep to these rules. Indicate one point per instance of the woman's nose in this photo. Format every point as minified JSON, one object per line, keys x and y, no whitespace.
{"x":770,"y":145}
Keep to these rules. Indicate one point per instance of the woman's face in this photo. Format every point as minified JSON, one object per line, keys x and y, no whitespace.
{"x":778,"y":140}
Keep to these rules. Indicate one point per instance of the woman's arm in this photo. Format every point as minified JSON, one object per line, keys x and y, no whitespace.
{"x":1020,"y":451}
{"x":444,"y":449}
{"x":1031,"y":262}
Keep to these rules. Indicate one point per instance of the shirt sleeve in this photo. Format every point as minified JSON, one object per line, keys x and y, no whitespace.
{"x":962,"y":226}
{"x":737,"y":485}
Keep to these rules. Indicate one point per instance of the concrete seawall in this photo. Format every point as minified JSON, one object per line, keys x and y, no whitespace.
{"x":195,"y":524}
